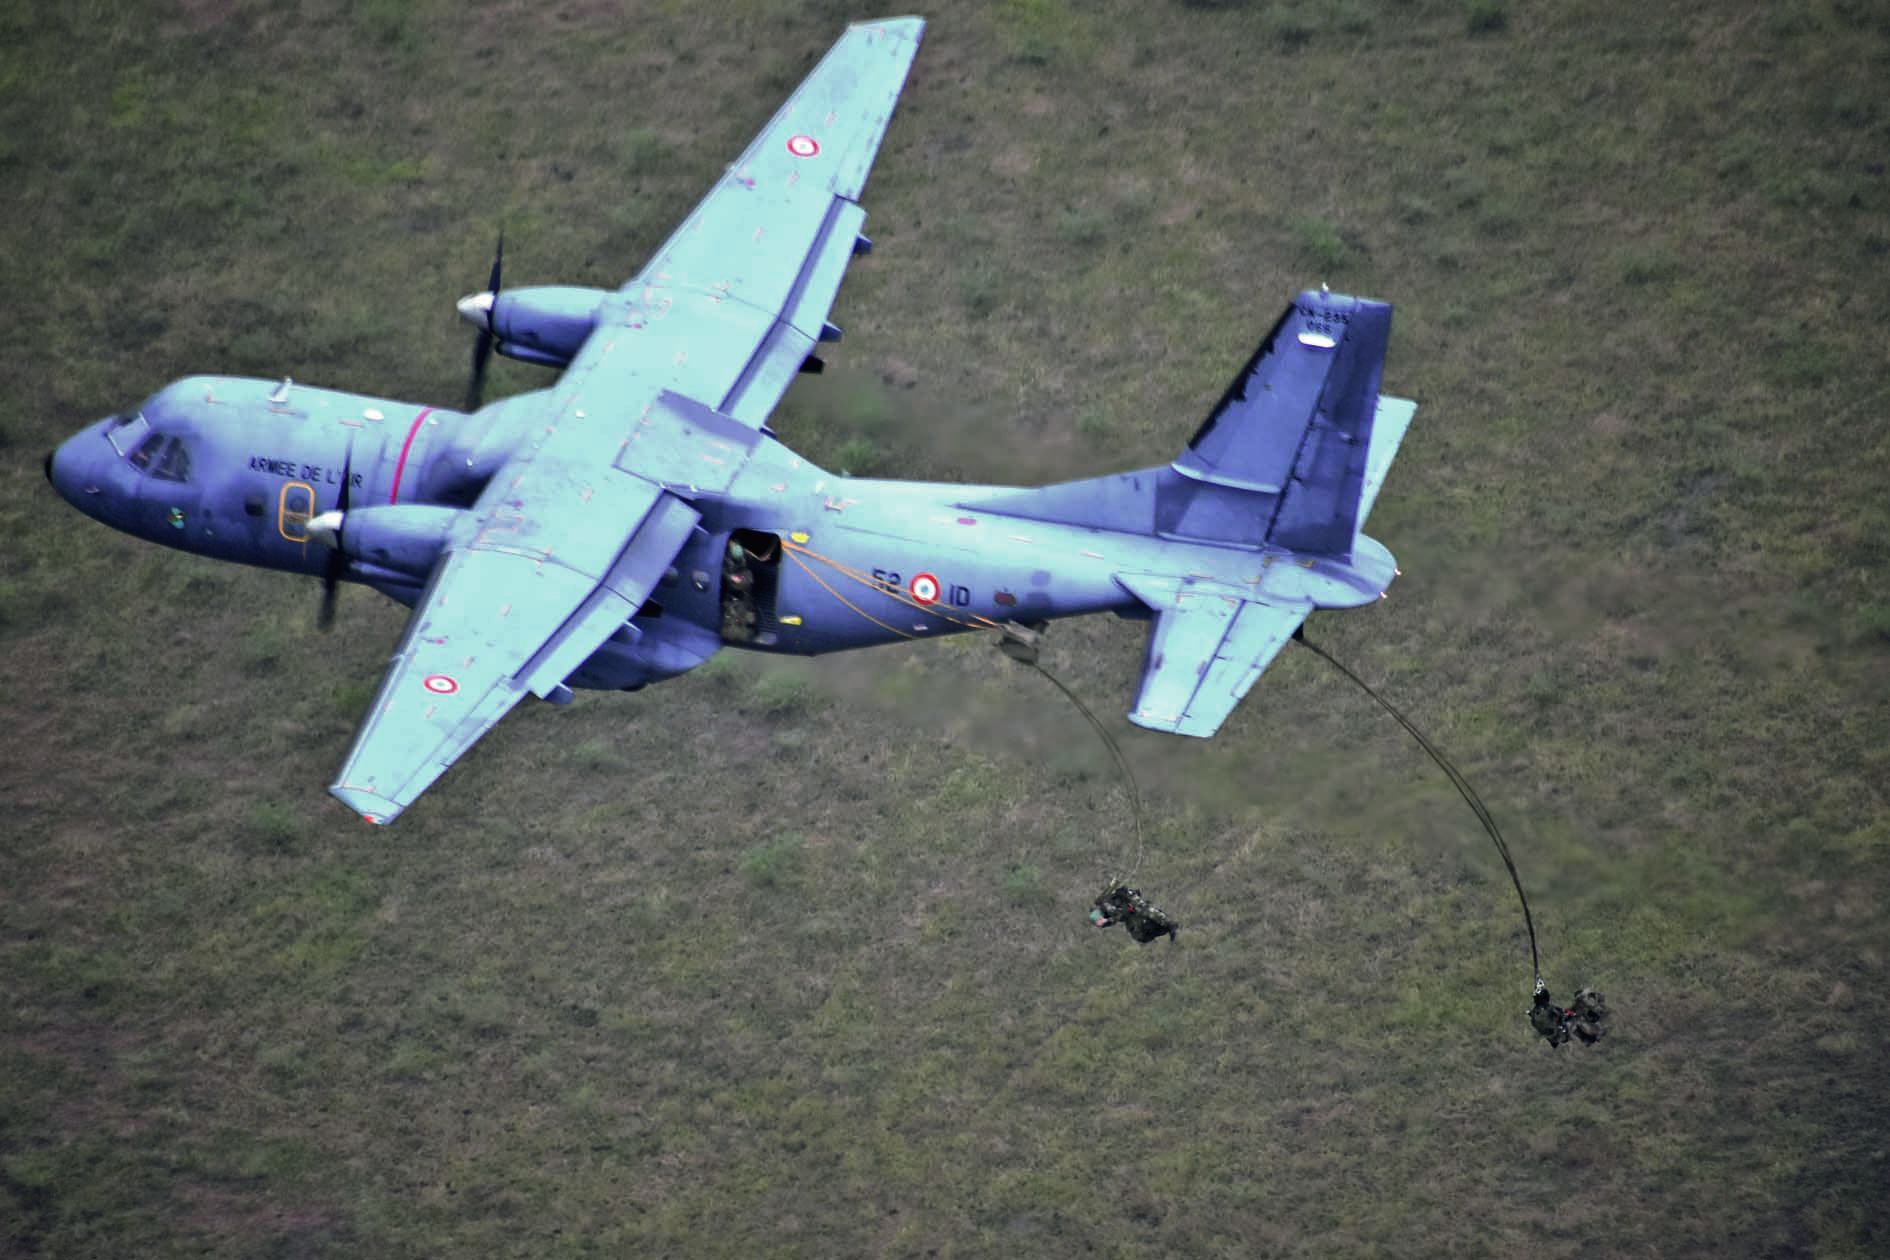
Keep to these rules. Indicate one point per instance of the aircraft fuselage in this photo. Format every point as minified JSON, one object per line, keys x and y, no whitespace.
{"x":237,"y":469}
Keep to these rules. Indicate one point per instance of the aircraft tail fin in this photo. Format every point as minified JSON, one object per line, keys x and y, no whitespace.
{"x":1293,"y":454}
{"x":1296,"y":425}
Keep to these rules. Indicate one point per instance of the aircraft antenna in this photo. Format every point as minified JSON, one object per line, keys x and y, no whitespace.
{"x":1464,"y":789}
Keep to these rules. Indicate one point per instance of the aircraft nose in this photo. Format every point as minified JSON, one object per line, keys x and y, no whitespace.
{"x":67,"y":469}
{"x":57,"y":472}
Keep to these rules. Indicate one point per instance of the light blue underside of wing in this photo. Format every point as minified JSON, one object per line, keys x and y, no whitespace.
{"x":504,"y":616}
{"x":1207,"y":648}
{"x":745,"y":284}
{"x":687,"y":361}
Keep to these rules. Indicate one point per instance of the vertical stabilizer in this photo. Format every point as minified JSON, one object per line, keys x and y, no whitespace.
{"x":1295,"y":426}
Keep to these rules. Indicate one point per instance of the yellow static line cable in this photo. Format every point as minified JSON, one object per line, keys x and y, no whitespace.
{"x":974,"y":621}
{"x":820,"y":582}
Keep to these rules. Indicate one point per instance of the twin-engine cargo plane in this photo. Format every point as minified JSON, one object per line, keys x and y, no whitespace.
{"x":621,"y":526}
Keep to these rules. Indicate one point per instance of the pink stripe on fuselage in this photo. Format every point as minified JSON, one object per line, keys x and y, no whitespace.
{"x":401,"y":466}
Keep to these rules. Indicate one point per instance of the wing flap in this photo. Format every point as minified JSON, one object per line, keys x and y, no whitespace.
{"x":452,"y":676}
{"x":778,"y":359}
{"x":728,"y":308}
{"x":505,"y":615}
{"x":748,"y":239}
{"x":679,"y":442}
{"x":1208,"y":647}
{"x":616,"y":599}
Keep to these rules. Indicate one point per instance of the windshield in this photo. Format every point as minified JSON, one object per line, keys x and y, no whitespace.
{"x":174,"y":463}
{"x":127,"y":432}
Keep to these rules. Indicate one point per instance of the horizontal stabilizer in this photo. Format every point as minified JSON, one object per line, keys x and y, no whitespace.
{"x":1388,"y":430}
{"x":1208,"y":646}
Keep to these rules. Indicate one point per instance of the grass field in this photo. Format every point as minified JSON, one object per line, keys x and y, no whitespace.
{"x":790,"y":959}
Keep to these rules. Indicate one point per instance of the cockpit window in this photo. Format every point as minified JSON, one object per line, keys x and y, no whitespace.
{"x":174,"y":463}
{"x":127,"y":432}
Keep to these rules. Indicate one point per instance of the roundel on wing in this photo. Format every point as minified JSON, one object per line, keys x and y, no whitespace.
{"x":440,"y":684}
{"x":803,"y":146}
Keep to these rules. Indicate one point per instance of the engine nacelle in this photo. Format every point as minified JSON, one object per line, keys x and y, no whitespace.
{"x":399,"y":538}
{"x":546,"y":324}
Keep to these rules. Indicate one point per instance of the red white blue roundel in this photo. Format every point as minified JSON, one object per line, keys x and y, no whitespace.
{"x":440,"y":684}
{"x":923,"y":588}
{"x":803,"y":146}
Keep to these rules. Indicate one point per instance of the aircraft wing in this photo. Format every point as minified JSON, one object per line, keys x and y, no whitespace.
{"x":1208,"y":647}
{"x":520,"y":600}
{"x":735,"y":300}
{"x":662,"y":405}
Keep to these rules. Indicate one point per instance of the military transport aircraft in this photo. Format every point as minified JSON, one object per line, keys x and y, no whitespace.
{"x":623,"y":525}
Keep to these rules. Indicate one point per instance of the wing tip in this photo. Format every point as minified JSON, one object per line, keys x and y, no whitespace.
{"x":1171,"y":724}
{"x":370,"y":807}
{"x":910,"y":26}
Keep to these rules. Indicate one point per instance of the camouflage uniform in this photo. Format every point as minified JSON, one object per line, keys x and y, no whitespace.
{"x":738,"y":602}
{"x":1585,"y":1015}
{"x":1127,"y":906}
{"x":1548,"y":1019}
{"x":1583,"y":1018}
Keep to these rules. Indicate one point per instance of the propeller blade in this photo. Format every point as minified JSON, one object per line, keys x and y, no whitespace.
{"x":325,"y":616}
{"x":481,"y":356}
{"x":482,"y":344}
{"x":347,"y":478}
{"x":337,"y":559}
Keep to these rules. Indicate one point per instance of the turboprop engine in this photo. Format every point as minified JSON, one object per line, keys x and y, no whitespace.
{"x":544,"y":324}
{"x":404,"y":538}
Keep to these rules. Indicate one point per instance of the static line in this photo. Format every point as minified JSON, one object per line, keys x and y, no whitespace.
{"x":1122,"y":764}
{"x":1462,"y":785}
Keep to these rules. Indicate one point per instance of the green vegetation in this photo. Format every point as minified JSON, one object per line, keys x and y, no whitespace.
{"x":780,"y":960}
{"x":1321,"y":243}
{"x":1023,"y":886}
{"x":1486,"y":17}
{"x":772,"y":864}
